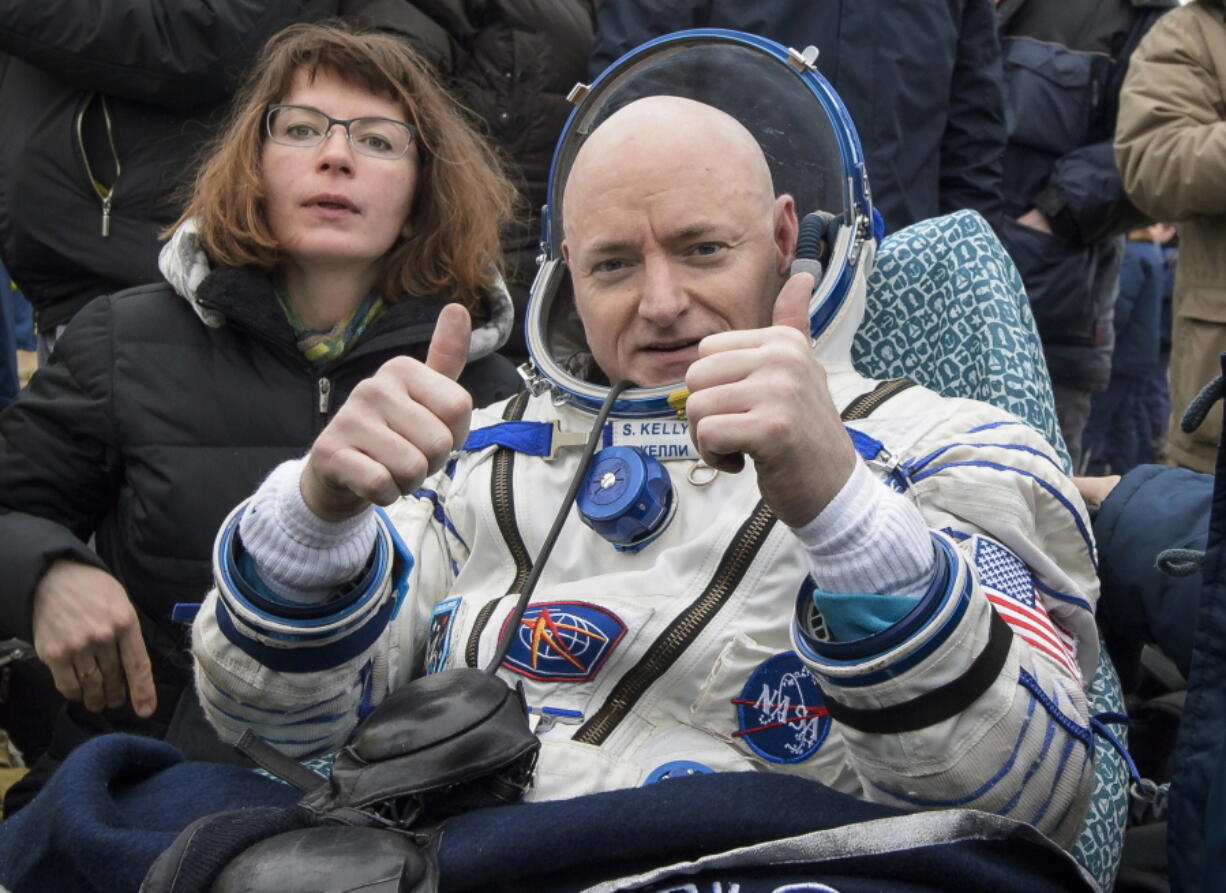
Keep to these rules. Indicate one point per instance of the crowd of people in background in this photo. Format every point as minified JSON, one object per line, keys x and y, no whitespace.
{"x":1088,"y":133}
{"x":1007,"y":108}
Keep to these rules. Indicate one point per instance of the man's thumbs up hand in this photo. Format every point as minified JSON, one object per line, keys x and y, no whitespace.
{"x":792,"y":305}
{"x":448,"y":352}
{"x":397,"y":427}
{"x":761,"y":393}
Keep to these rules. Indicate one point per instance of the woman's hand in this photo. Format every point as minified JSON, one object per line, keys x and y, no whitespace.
{"x":87,"y":633}
{"x":397,"y":427}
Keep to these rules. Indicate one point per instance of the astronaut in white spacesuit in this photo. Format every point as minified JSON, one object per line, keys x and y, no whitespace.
{"x":897,"y":602}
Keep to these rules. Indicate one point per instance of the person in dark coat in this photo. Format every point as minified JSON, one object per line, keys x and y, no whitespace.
{"x":347,"y":204}
{"x":1161,"y":534}
{"x":1065,"y":206}
{"x":921,"y":80}
{"x":1119,"y":433}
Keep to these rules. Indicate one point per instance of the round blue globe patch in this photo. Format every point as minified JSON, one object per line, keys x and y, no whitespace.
{"x":677,"y":769}
{"x":781,"y":714}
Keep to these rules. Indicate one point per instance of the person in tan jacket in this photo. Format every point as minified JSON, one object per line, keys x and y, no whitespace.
{"x":1170,"y":145}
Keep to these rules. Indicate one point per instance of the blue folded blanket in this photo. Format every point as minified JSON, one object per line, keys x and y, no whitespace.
{"x":119,"y":801}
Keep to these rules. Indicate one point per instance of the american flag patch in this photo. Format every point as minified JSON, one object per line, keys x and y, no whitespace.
{"x":1009,"y":586}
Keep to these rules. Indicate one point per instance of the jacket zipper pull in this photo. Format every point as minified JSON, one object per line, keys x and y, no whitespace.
{"x":105,"y":193}
{"x":325,"y":395}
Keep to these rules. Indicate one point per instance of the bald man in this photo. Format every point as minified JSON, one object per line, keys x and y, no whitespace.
{"x":671,"y":239}
{"x":922,"y":648}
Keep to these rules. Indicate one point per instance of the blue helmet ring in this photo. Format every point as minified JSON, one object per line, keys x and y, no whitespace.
{"x":810,"y":146}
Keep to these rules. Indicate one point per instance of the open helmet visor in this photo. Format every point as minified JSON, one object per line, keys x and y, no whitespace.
{"x":811,"y":148}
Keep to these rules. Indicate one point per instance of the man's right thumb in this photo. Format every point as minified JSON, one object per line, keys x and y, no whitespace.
{"x":449,"y":346}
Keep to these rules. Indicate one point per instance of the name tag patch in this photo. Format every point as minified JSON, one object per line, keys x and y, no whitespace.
{"x":661,"y":439}
{"x":563,"y":641}
{"x":781,"y":714}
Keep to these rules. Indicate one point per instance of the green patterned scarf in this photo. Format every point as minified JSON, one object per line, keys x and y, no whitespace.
{"x":323,"y":346}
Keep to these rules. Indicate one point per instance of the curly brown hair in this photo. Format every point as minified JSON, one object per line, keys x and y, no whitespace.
{"x":462,"y":196}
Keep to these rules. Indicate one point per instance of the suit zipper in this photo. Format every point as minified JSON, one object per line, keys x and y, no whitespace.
{"x":866,"y":404}
{"x":503,"y":499}
{"x":681,"y":632}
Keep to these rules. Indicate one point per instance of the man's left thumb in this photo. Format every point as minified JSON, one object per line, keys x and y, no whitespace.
{"x":792,"y":305}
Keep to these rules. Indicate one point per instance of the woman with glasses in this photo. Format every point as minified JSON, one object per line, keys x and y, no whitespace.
{"x":342,"y":207}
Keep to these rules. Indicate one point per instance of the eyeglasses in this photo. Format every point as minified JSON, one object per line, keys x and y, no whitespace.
{"x":303,"y":127}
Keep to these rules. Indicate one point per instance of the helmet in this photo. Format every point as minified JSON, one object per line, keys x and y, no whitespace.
{"x":810,"y":146}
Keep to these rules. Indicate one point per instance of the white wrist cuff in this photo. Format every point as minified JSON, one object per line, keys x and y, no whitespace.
{"x":300,"y":556}
{"x":869,"y":539}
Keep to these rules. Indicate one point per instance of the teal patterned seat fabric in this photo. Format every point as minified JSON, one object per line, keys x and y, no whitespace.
{"x":947,"y":308}
{"x":1101,"y":841}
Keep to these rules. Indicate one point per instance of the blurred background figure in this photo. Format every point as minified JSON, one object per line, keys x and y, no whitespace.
{"x":1160,"y":389}
{"x":922,"y":81}
{"x":1120,"y":432}
{"x":1065,"y":207}
{"x":1171,"y":149}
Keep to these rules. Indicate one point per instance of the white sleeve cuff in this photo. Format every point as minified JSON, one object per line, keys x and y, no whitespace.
{"x":300,"y":556}
{"x":869,"y":539}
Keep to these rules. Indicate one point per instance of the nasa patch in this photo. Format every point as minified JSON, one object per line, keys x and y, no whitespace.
{"x":781,"y":714}
{"x":438,"y":643}
{"x":563,"y":641}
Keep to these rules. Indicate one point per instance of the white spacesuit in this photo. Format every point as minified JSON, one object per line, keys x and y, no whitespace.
{"x":686,"y":633}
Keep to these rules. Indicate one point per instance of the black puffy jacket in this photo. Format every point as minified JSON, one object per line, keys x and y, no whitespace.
{"x":148,"y":427}
{"x":118,"y":95}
